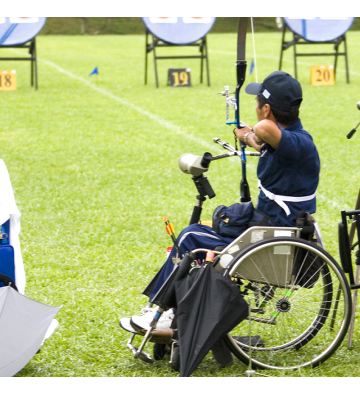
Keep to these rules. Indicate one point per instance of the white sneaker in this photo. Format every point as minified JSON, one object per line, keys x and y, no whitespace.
{"x":146,"y":310}
{"x":142,"y":322}
{"x":125,"y":324}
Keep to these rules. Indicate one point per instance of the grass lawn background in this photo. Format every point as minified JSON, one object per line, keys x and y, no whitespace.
{"x":94,"y":166}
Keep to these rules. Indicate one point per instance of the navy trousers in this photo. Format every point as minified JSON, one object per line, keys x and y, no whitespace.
{"x":192,"y":237}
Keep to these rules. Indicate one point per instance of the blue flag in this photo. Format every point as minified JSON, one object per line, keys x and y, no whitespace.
{"x":95,"y":71}
{"x":252,"y":66}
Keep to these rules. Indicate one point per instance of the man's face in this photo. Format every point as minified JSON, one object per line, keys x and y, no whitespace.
{"x":259,"y":112}
{"x":264,"y":112}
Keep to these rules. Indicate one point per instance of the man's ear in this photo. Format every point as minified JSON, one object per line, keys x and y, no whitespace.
{"x":267,"y":110}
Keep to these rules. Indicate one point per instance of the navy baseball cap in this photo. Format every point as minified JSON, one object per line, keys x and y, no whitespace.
{"x":279,"y":89}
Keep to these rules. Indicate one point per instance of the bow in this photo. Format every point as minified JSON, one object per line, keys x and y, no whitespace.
{"x":240,"y":74}
{"x":235,"y":102}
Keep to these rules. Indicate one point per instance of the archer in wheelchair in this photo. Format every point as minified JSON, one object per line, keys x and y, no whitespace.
{"x":272,"y":254}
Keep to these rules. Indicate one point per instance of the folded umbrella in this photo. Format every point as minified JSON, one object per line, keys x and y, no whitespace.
{"x":23,"y":325}
{"x":209,"y":306}
{"x":166,"y":297}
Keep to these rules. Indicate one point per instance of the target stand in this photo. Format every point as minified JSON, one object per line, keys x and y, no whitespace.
{"x":317,"y":31}
{"x":177,"y":32}
{"x":21,"y":32}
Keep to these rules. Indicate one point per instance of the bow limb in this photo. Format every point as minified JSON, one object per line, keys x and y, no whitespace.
{"x":241,"y":65}
{"x":240,"y":61}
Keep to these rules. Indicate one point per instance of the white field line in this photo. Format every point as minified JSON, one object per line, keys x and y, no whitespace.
{"x":275,"y":58}
{"x":161,"y":121}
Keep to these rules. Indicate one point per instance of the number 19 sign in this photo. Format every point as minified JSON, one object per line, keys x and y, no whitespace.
{"x":7,"y":80}
{"x":179,"y":77}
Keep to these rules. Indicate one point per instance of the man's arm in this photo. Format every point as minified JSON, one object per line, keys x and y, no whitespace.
{"x":266,"y":131}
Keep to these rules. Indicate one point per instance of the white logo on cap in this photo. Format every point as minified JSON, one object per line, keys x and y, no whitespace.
{"x":266,"y":93}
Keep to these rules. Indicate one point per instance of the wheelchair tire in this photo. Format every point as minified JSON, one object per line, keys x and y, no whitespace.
{"x":159,"y":351}
{"x":175,"y":359}
{"x":291,"y":325}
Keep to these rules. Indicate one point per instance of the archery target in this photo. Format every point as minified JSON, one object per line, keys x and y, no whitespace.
{"x":179,"y":30}
{"x":319,"y":29}
{"x":19,"y":30}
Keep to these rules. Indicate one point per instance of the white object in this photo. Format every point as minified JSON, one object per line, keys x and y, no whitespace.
{"x":282,"y":233}
{"x":24,"y":324}
{"x":144,"y":320}
{"x":8,"y":209}
{"x":50,"y":331}
{"x":280,"y":199}
{"x":28,"y":19}
{"x":257,"y":235}
{"x":166,"y":19}
{"x":197,"y":20}
{"x":225,"y":260}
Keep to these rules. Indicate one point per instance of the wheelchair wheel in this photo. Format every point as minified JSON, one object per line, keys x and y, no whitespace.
{"x":160,"y":350}
{"x":175,"y":359}
{"x":300,"y":304}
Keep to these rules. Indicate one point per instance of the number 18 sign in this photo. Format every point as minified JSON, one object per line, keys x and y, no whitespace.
{"x":7,"y":80}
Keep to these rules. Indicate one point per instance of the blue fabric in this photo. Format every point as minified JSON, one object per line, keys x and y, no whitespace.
{"x":5,"y":228}
{"x":291,"y":170}
{"x":192,"y":237}
{"x":7,"y":262}
{"x":7,"y":257}
{"x":232,"y":221}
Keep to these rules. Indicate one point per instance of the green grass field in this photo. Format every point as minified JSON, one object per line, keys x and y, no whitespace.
{"x":94,"y":167}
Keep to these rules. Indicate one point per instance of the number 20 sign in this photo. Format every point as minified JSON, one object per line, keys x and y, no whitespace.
{"x":322,"y":75}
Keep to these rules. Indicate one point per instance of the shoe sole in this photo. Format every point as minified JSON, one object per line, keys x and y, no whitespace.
{"x":125,"y":324}
{"x":162,"y":337}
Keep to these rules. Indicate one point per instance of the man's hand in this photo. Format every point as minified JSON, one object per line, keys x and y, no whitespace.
{"x":266,"y":131}
{"x":252,"y":139}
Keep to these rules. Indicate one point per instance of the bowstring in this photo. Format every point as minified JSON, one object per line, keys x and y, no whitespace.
{"x":253,"y":38}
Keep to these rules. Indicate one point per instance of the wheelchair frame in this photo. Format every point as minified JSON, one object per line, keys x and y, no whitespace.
{"x":346,"y":246}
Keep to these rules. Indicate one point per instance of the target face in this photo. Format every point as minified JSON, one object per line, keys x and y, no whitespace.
{"x":19,"y":30}
{"x":179,"y":30}
{"x":319,"y":29}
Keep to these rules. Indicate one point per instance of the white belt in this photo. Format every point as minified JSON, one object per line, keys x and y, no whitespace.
{"x":279,"y":199}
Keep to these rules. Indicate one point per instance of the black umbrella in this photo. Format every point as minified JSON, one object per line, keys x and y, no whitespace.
{"x":165,"y":297}
{"x":209,"y":306}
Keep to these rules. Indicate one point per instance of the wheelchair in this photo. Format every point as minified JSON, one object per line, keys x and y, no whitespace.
{"x":299,"y":301}
{"x":300,"y":304}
